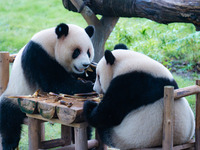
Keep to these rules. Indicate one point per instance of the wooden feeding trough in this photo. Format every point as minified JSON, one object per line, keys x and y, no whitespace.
{"x":67,"y":108}
{"x":58,"y":108}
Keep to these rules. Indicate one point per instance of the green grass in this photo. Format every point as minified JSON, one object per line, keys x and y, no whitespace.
{"x":21,"y":19}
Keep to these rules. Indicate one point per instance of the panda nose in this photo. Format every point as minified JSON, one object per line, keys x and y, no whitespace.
{"x":86,"y":65}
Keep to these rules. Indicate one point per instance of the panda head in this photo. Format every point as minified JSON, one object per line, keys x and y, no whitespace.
{"x":119,"y":62}
{"x":74,"y":49}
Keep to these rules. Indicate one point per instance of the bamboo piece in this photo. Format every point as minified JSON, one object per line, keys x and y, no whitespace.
{"x":178,"y":93}
{"x":4,"y":71}
{"x":12,"y":58}
{"x":197,"y":129}
{"x":168,"y":118}
{"x":80,"y":138}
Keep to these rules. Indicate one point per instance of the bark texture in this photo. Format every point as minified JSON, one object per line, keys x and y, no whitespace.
{"x":162,"y":11}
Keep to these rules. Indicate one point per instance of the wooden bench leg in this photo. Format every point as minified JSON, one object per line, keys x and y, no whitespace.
{"x":35,"y":133}
{"x":66,"y":134}
{"x":80,"y":138}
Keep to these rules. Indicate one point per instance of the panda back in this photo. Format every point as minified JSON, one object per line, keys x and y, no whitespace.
{"x":143,"y":127}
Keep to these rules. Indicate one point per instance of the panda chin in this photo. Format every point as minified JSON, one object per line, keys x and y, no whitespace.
{"x":77,"y":71}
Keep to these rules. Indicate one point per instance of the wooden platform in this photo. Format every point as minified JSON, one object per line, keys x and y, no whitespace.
{"x":63,"y":109}
{"x":66,"y":108}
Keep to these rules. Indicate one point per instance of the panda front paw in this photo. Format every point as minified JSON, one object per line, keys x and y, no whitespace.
{"x":88,"y":108}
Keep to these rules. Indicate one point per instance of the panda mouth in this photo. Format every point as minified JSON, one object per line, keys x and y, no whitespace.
{"x":81,"y":70}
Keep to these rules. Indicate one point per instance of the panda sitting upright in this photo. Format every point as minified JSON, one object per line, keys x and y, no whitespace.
{"x":48,"y":62}
{"x":131,"y":112}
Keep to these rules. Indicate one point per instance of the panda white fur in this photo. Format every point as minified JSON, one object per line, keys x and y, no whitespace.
{"x":131,"y":112}
{"x":47,"y":62}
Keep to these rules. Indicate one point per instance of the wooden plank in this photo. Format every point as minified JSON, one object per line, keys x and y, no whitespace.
{"x":37,"y":116}
{"x":28,"y":106}
{"x":47,"y":110}
{"x":197,"y":129}
{"x":91,"y":144}
{"x":52,"y":143}
{"x":146,"y":149}
{"x":70,"y":115}
{"x":182,"y":92}
{"x":4,"y":71}
{"x":185,"y":146}
{"x":167,"y":142}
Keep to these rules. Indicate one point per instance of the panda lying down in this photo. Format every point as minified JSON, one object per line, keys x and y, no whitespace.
{"x":48,"y":62}
{"x":131,"y":112}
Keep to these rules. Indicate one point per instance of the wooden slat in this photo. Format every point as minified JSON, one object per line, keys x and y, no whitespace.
{"x":168,"y":118}
{"x":70,"y":115}
{"x":185,"y":146}
{"x":178,"y":93}
{"x":52,"y":143}
{"x":27,"y":105}
{"x":4,"y":71}
{"x":39,"y":117}
{"x":146,"y":149}
{"x":197,"y":129}
{"x":91,"y":144}
{"x":47,"y":110}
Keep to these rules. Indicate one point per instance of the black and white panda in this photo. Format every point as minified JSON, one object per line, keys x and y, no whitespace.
{"x":48,"y":62}
{"x":130,"y":114}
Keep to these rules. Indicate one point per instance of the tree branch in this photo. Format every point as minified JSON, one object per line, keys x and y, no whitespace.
{"x":162,"y":11}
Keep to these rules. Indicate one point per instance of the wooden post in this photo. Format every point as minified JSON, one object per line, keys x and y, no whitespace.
{"x":34,"y":133}
{"x":4,"y":71}
{"x":66,"y":134}
{"x":80,"y":138}
{"x":168,"y":118}
{"x":197,"y":129}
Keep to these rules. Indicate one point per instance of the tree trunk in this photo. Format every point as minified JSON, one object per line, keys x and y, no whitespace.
{"x":103,"y":27}
{"x":162,"y":11}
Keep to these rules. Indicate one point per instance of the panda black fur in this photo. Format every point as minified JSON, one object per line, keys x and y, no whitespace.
{"x":48,"y":62}
{"x":131,"y":112}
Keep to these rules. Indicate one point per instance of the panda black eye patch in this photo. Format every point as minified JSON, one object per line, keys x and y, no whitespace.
{"x":88,"y":52}
{"x":76,"y":53}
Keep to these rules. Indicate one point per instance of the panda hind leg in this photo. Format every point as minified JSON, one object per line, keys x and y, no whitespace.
{"x":11,"y":119}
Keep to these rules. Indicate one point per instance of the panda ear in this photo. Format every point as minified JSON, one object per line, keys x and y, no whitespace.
{"x":89,"y":30}
{"x":120,"y":46}
{"x":62,"y":29}
{"x":110,"y":58}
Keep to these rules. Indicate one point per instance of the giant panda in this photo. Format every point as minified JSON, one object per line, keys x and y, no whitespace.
{"x":130,"y":114}
{"x":48,"y":62}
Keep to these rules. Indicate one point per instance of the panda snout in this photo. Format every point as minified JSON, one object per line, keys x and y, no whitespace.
{"x":85,"y":65}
